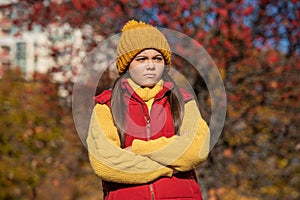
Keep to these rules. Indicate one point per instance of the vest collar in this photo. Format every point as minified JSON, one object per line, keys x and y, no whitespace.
{"x":167,"y":86}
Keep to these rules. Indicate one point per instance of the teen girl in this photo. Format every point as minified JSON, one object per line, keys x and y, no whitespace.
{"x":146,"y":135}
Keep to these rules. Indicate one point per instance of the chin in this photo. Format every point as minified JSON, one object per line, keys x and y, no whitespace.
{"x":148,"y":85}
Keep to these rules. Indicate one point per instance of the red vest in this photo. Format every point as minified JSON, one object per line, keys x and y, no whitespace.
{"x":139,"y":124}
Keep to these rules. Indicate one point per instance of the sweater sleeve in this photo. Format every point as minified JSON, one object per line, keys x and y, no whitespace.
{"x":182,"y":152}
{"x":112,"y":163}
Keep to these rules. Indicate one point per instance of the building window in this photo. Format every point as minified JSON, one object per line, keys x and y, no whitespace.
{"x":21,"y":56}
{"x":5,"y":59}
{"x":5,"y":50}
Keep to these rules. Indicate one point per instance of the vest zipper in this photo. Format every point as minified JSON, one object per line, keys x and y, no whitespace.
{"x":152,"y":192}
{"x":148,"y":129}
{"x":148,"y":120}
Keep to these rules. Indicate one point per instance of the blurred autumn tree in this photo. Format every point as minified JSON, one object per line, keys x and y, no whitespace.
{"x":256,"y":46}
{"x":34,"y":132}
{"x":30,"y":133}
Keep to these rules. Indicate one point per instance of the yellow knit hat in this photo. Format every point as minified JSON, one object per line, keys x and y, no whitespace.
{"x":137,"y":36}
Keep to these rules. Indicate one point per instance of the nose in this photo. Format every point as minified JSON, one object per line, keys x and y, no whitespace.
{"x":150,"y":65}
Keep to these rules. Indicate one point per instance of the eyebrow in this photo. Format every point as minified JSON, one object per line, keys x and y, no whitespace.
{"x":147,"y":56}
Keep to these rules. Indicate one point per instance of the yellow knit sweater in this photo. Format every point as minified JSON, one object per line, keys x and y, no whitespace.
{"x":147,"y":160}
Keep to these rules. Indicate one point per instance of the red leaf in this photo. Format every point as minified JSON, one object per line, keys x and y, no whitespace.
{"x":118,"y":9}
{"x":222,"y":12}
{"x":126,"y":1}
{"x":273,"y":85}
{"x":272,"y":59}
{"x":102,"y":19}
{"x":92,"y":4}
{"x":77,"y":4}
{"x":279,"y":70}
{"x":234,"y":98}
{"x":227,"y":153}
{"x":163,"y":19}
{"x":200,"y":35}
{"x":248,"y":11}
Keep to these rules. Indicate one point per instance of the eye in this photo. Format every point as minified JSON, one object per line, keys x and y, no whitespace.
{"x":158,"y":58}
{"x":141,"y":59}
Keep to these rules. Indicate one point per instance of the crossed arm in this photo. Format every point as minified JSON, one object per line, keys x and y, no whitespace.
{"x":147,"y":160}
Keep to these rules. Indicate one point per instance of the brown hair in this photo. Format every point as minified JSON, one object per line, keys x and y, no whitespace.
{"x":117,"y":105}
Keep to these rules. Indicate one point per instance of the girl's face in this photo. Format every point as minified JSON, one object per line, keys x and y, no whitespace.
{"x":147,"y":67}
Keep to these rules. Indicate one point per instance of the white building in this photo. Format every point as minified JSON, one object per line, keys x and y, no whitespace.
{"x":34,"y":51}
{"x":29,"y":52}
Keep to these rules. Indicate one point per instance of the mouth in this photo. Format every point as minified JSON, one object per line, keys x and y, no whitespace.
{"x":149,"y":75}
